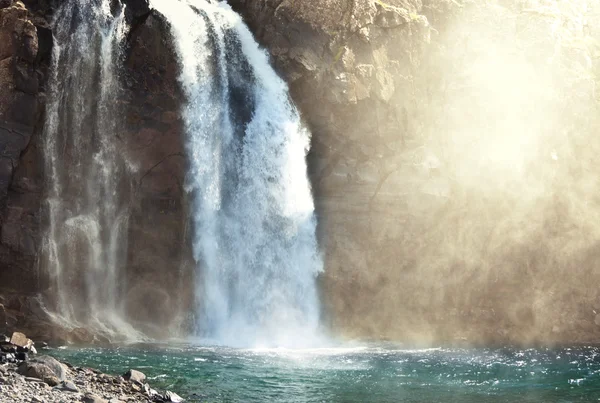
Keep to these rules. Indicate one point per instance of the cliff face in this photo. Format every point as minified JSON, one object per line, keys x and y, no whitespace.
{"x":158,"y":278}
{"x":436,"y":130}
{"x":25,"y":45}
{"x":423,"y":241}
{"x":351,"y":66}
{"x":160,"y":263}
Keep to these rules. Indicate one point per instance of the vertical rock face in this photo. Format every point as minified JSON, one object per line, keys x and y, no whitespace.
{"x":160,"y":264}
{"x":350,"y":66}
{"x":24,"y":52}
{"x":441,"y":159}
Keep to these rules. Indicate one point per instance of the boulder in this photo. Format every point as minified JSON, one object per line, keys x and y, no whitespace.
{"x":173,"y":397}
{"x":81,"y":336}
{"x":134,"y":376}
{"x":20,"y":340}
{"x":45,"y":368}
{"x":68,"y":386}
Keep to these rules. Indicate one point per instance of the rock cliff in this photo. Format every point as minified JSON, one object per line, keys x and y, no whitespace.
{"x":25,"y":46}
{"x":422,"y":242}
{"x":431,"y":167}
{"x":159,"y":263}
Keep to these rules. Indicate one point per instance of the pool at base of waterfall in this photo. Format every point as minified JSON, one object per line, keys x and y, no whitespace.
{"x":373,"y":373}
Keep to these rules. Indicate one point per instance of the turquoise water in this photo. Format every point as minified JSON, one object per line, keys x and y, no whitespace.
{"x":357,"y":374}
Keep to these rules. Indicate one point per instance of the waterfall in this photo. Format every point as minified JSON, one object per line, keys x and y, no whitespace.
{"x":253,"y":215}
{"x":86,"y":243}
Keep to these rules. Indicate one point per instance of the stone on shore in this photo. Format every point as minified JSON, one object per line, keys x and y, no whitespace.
{"x":27,"y":380}
{"x":45,"y":368}
{"x":134,"y":376}
{"x":20,"y":340}
{"x":173,"y":397}
{"x":92,"y":398}
{"x":68,"y":386}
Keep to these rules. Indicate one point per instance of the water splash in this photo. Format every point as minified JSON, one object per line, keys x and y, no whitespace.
{"x":255,"y":240}
{"x":86,"y":242}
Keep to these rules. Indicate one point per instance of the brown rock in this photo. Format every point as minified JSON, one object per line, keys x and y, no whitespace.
{"x":81,"y":336}
{"x":20,"y":340}
{"x":21,"y":78}
{"x":6,"y":3}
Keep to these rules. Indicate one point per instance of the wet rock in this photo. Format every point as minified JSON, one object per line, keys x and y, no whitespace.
{"x":3,"y":323}
{"x":134,"y":376}
{"x":21,"y":101}
{"x":81,"y":336}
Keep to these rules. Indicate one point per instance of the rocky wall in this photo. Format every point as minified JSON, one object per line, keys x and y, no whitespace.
{"x":159,"y":270}
{"x":25,"y":46}
{"x":424,"y":244}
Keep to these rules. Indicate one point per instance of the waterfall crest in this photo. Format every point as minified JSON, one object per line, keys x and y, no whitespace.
{"x":255,"y":228}
{"x":86,"y":243}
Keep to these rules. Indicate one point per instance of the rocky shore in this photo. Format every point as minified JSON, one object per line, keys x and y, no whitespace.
{"x":30,"y":377}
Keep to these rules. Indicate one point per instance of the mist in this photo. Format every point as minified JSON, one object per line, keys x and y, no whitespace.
{"x":485,"y":227}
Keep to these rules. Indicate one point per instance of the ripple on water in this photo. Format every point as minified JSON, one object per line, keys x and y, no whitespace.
{"x":359,"y":374}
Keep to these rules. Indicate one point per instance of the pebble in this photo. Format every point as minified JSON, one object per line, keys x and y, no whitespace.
{"x":72,"y":384}
{"x":79,"y":386}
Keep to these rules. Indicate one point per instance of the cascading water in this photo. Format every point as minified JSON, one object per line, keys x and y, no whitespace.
{"x":255,"y":227}
{"x":87,"y":202}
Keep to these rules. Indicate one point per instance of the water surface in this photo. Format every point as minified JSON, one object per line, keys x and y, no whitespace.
{"x":357,"y":374}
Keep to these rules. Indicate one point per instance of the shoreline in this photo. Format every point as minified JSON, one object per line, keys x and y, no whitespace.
{"x":80,"y":384}
{"x":29,"y":377}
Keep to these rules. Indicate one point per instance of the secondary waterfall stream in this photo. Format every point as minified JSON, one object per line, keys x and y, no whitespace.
{"x":86,"y":242}
{"x":255,"y":228}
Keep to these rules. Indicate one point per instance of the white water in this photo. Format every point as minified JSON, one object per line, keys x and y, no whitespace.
{"x":255,"y":228}
{"x":86,"y":242}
